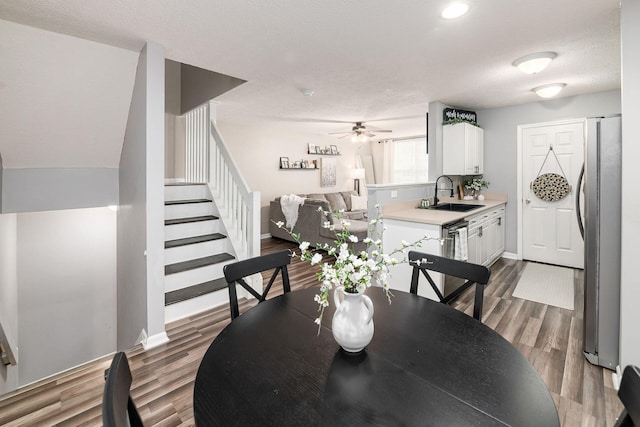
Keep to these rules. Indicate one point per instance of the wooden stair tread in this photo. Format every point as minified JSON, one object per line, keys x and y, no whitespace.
{"x":190,"y":219}
{"x":193,"y":240}
{"x":194,"y":291}
{"x":186,"y":202}
{"x":197,"y":263}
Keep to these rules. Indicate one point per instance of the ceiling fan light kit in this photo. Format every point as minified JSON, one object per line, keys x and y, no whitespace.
{"x":532,"y":64}
{"x":359,"y":133}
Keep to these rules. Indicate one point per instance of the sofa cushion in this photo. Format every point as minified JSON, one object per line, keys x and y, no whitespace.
{"x":336,"y":201}
{"x":360,"y":215}
{"x":358,"y":203}
{"x":316,"y":196}
{"x":346,"y":195}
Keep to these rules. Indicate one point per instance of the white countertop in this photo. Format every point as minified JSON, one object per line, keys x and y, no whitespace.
{"x":409,"y":211}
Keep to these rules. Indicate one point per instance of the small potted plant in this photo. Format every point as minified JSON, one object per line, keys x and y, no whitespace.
{"x":475,"y":185}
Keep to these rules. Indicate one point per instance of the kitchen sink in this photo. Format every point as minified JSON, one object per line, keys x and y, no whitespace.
{"x":455,"y":207}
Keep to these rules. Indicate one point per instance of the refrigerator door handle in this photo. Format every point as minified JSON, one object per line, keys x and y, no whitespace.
{"x":578,"y":191}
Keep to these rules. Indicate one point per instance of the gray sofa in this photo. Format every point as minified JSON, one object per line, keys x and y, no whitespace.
{"x":310,"y":223}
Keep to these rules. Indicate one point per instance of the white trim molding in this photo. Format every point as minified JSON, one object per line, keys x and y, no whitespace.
{"x":155,"y":341}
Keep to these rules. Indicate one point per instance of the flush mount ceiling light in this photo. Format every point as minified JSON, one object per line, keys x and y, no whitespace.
{"x":532,"y":64}
{"x":455,"y":10}
{"x":307,"y":92}
{"x":548,"y":91}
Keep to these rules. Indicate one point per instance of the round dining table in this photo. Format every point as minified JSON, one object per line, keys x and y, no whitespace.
{"x":427,"y":365}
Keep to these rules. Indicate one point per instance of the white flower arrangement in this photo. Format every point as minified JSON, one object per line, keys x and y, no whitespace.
{"x":354,"y":271}
{"x":476,"y":184}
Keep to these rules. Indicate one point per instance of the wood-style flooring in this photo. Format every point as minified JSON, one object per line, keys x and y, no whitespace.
{"x":550,"y":337}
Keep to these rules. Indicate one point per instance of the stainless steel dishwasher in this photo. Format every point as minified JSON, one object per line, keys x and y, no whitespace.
{"x":449,"y":232}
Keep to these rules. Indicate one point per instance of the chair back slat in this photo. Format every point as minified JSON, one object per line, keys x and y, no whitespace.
{"x":236,"y":273}
{"x":118,"y":409}
{"x":471,"y":273}
{"x":629,"y":394}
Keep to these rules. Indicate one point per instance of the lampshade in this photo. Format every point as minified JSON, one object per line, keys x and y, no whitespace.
{"x":532,"y":64}
{"x":548,"y":91}
{"x":357,"y":173}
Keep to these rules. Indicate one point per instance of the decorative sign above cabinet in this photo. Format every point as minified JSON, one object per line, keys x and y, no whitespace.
{"x":454,"y":115}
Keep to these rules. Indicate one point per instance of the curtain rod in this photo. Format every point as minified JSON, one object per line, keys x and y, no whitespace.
{"x":403,"y":138}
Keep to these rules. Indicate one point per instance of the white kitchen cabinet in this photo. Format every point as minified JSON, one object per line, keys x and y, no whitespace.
{"x":462,"y":149}
{"x":485,"y":241}
{"x":400,"y":275}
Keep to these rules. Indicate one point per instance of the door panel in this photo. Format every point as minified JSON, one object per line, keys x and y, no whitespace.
{"x":549,"y":231}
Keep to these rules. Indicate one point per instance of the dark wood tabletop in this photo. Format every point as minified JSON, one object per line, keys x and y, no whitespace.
{"x":428,"y":364}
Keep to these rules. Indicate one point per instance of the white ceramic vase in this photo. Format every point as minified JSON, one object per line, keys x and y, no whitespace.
{"x":352,"y":323}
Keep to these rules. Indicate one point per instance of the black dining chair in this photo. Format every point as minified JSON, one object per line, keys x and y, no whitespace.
{"x":236,"y":273}
{"x":629,"y":394}
{"x":118,"y":409}
{"x":472,"y":273}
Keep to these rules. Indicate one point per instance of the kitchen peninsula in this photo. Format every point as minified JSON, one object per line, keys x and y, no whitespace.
{"x":482,"y":226}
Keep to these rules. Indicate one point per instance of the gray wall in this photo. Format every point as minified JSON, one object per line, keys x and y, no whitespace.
{"x":199,"y":85}
{"x":630,"y":286}
{"x":132,"y":218}
{"x":500,"y":140}
{"x":66,"y":269}
{"x":9,"y":296}
{"x":32,"y":190}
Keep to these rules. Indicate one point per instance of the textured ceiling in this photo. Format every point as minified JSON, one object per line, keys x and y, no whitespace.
{"x":378,"y":61}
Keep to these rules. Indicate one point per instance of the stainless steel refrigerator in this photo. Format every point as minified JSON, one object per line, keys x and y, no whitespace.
{"x":600,"y":181}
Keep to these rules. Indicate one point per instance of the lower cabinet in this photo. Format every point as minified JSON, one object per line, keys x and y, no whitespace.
{"x":485,"y":241}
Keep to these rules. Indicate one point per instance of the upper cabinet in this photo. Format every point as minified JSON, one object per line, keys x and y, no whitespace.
{"x":462,"y":149}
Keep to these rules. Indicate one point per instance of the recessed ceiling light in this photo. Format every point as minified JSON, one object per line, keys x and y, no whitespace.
{"x":548,"y":91}
{"x":307,"y":92}
{"x":455,"y":10}
{"x":532,"y":64}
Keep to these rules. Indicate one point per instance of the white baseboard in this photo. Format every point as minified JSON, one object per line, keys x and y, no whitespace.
{"x":155,"y":341}
{"x":509,"y":255}
{"x":265,"y":236}
{"x":616,"y":377}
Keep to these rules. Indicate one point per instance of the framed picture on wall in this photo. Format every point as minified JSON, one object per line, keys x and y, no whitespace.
{"x":328,"y":172}
{"x":284,"y":163}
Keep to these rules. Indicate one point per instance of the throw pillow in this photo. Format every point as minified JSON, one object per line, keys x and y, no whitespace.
{"x":358,"y":203}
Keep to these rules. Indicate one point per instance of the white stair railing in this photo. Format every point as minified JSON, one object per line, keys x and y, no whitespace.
{"x":238,"y":206}
{"x":196,"y":168}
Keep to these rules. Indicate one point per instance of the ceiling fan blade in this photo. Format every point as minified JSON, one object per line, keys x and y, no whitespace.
{"x":338,"y":133}
{"x":369,"y":134}
{"x":380,"y":130}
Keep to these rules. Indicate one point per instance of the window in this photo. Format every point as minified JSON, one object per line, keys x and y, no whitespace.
{"x":410,"y":161}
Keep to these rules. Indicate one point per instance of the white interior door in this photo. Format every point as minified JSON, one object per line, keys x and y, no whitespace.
{"x":550,"y":231}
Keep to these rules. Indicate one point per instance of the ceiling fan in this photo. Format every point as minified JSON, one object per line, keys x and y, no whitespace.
{"x":360,"y":133}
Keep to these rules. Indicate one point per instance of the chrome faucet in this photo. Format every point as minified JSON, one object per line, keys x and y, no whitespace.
{"x":435,"y":197}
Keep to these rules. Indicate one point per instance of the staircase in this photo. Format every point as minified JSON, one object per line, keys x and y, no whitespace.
{"x":196,"y":250}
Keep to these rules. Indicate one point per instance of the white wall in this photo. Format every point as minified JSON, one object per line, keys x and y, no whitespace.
{"x":257,"y":151}
{"x":1,"y":188}
{"x":141,"y":207}
{"x":66,"y":269}
{"x":630,"y":286}
{"x":32,"y":190}
{"x":500,"y":140}
{"x":132,"y":228}
{"x":155,"y":192}
{"x":8,"y":296}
